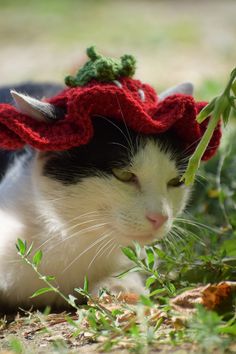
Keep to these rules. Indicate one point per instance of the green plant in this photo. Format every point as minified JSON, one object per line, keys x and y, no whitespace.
{"x":206,"y":328}
{"x":100,"y":321}
{"x":16,"y":345}
{"x":24,"y":253}
{"x":218,"y":107}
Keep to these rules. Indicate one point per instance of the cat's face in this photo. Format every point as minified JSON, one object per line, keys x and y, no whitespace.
{"x":125,"y":183}
{"x":121,"y":185}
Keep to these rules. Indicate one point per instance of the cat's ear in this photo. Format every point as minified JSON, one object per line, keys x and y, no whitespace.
{"x":185,"y":88}
{"x":40,"y":111}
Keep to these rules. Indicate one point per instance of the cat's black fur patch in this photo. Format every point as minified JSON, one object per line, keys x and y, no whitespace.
{"x":6,"y":158}
{"x":110,"y":147}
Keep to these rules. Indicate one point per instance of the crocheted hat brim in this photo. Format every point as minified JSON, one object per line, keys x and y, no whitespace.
{"x":177,"y":113}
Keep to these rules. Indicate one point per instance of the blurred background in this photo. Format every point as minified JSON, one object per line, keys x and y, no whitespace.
{"x":173,"y":41}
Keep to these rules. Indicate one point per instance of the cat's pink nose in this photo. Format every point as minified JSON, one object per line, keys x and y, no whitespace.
{"x":156,"y":219}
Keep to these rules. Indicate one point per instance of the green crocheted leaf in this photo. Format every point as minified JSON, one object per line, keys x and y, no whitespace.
{"x":102,"y":69}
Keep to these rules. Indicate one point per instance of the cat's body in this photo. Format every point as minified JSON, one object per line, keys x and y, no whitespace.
{"x":79,"y":210}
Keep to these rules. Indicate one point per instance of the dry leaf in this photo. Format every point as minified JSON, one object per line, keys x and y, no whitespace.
{"x":215,"y":295}
{"x":212,"y":296}
{"x":185,"y":302}
{"x":128,"y":298}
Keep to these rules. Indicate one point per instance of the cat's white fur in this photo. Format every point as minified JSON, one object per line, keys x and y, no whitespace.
{"x":80,"y":227}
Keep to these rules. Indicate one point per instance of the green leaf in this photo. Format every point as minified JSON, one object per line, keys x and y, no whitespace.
{"x":150,"y":260}
{"x":21,"y":246}
{"x":41,"y":291}
{"x":157,"y":292}
{"x":47,"y":311}
{"x":232,"y":102}
{"x":86,"y":285}
{"x":116,"y":312}
{"x":37,"y":258}
{"x":128,"y":252}
{"x":194,"y":161}
{"x":233,"y":87}
{"x":29,"y":249}
{"x":135,"y":330}
{"x":206,"y":111}
{"x":172,"y":288}
{"x":161,"y":254}
{"x":226,"y":114}
{"x":91,"y":317}
{"x":233,"y":73}
{"x":146,"y":301}
{"x":104,"y":322}
{"x":131,"y":270}
{"x":228,"y":330}
{"x":16,"y":345}
{"x":151,"y":280}
{"x":220,"y":105}
{"x":138,"y":248}
{"x":47,"y":277}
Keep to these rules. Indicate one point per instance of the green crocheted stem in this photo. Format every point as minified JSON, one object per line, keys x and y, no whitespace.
{"x":103,"y":69}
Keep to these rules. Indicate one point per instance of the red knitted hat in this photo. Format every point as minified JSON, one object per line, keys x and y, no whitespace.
{"x":95,"y":93}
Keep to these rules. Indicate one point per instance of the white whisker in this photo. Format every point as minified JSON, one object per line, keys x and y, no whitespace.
{"x":86,"y":250}
{"x":120,"y":130}
{"x":112,"y":249}
{"x":124,"y":121}
{"x":99,"y":252}
{"x":55,"y":235}
{"x":79,"y":233}
{"x":197,"y":224}
{"x":81,"y":223}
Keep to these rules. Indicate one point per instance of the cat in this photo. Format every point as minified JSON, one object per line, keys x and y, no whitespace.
{"x":80,"y":206}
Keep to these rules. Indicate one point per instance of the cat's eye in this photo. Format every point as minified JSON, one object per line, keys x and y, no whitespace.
{"x":175,"y":182}
{"x":123,"y":175}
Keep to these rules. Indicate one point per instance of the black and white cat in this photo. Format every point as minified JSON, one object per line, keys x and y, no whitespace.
{"x":79,"y":206}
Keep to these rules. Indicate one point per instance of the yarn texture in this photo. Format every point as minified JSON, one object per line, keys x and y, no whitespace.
{"x":102,"y":69}
{"x":91,"y":96}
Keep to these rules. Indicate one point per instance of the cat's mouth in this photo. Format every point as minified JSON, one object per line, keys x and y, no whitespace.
{"x":149,"y":237}
{"x":143,"y":239}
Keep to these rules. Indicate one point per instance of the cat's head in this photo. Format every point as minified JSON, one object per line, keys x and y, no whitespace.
{"x":122,"y":184}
